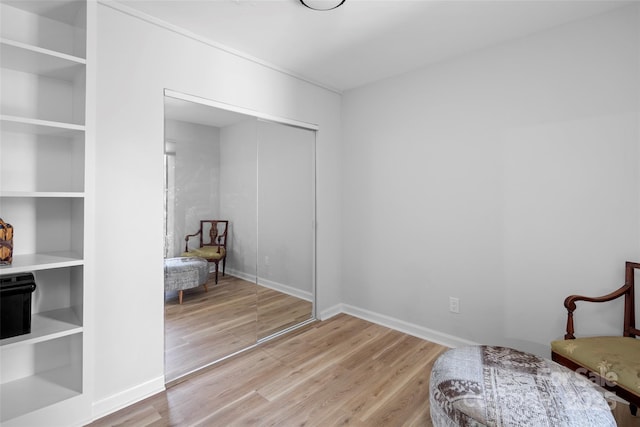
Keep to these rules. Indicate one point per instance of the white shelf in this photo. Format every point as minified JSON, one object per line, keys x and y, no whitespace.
{"x":38,"y":391}
{"x":46,"y":326}
{"x":39,"y":127}
{"x":44,"y":194}
{"x":44,"y":46}
{"x":41,"y":261}
{"x":36,"y":60}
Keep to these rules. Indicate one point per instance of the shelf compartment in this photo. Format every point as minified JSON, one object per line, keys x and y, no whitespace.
{"x":46,"y":326}
{"x":41,"y":165}
{"x":36,"y":60}
{"x":51,"y":228}
{"x":42,"y":97}
{"x":65,"y":11}
{"x":40,"y":375}
{"x":51,"y":24}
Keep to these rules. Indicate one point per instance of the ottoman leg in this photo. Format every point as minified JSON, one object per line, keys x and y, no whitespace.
{"x":180,"y":296}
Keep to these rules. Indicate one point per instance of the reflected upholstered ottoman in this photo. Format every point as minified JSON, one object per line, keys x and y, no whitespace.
{"x":499,"y":386}
{"x":185,"y":273}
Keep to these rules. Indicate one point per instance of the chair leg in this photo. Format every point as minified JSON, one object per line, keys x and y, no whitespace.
{"x":205,"y":288}
{"x":224,"y":264}
{"x":216,"y":272}
{"x":633,"y":408}
{"x":180,"y":296}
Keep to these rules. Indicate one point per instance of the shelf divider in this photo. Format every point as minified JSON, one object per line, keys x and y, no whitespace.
{"x":41,"y":261}
{"x":38,"y":126}
{"x":46,"y":326}
{"x":43,"y":194}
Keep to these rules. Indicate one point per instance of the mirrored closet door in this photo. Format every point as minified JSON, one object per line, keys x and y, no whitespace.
{"x":286,"y":203}
{"x":259,"y":175}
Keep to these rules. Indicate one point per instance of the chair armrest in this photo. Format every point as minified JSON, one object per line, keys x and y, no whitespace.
{"x":186,"y":240}
{"x":570,"y":305}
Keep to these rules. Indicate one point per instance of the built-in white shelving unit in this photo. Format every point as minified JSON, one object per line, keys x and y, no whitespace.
{"x":44,"y":148}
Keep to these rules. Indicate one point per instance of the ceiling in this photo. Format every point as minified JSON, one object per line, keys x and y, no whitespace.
{"x":192,"y":112}
{"x":364,"y":40}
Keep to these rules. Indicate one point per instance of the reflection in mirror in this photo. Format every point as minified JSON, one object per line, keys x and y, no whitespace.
{"x":259,"y":176}
{"x":206,"y":150}
{"x":286,"y":195}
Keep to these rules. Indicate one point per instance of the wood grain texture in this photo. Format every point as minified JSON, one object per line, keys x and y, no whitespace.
{"x":343,"y":371}
{"x":229,"y":317}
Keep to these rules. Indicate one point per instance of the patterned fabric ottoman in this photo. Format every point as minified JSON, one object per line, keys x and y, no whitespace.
{"x":499,"y":386}
{"x":185,"y":273}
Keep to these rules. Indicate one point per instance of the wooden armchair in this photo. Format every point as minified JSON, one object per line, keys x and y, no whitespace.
{"x":613,"y":362}
{"x":215,"y":248}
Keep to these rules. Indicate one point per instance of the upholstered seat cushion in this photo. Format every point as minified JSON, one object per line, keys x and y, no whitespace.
{"x":185,"y":273}
{"x":617,"y":359}
{"x":207,"y":252}
{"x":499,"y":386}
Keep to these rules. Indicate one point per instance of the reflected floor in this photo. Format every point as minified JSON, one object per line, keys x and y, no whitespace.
{"x":210,"y":325}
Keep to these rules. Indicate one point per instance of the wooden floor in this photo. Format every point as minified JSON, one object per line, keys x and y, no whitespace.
{"x":229,"y":317}
{"x":278,"y":311}
{"x":344,"y":371}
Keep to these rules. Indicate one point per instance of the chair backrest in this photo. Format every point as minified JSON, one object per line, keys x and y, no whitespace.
{"x":216,"y":230}
{"x":629,"y":301}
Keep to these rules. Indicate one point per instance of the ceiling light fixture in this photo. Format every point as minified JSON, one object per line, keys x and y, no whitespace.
{"x":322,"y":4}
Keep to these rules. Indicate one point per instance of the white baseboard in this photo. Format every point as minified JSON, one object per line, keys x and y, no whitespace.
{"x":307,"y":296}
{"x":241,"y":274}
{"x":330,"y":312}
{"x":398,"y":325}
{"x":127,"y":397}
{"x":300,"y":294}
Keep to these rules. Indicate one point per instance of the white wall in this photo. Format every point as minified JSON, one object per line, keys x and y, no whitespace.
{"x":196,"y":180}
{"x":507,"y":178}
{"x":285,"y":208}
{"x":238,"y":192}
{"x":267,"y":191}
{"x":136,"y":61}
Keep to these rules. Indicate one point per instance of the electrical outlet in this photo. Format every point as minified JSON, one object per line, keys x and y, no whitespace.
{"x":454,"y":305}
{"x":266,"y":260}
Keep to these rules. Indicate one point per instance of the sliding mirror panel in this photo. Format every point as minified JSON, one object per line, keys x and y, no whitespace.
{"x":211,"y":174}
{"x":286,"y":218}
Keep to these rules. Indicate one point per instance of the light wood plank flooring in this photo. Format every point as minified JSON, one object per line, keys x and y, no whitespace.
{"x":341,"y":371}
{"x":231,"y":316}
{"x":278,"y":311}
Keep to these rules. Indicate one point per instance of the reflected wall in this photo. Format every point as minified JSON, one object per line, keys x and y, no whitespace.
{"x":286,"y":200}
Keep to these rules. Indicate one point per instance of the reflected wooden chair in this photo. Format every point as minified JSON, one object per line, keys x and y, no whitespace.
{"x":611,"y":361}
{"x":213,"y":248}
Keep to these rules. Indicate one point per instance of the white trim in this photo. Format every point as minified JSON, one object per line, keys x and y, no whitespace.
{"x":179,"y":30}
{"x":241,"y":275}
{"x":408,"y":328}
{"x":234,"y":108}
{"x":285,"y":289}
{"x":398,"y":325}
{"x":307,"y":296}
{"x":330,"y":312}
{"x":127,"y":397}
